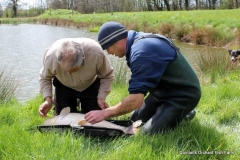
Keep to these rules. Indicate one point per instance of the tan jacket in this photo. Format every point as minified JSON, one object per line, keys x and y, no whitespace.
{"x":95,"y":65}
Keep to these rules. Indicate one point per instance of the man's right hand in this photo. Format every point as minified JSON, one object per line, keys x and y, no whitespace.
{"x":45,"y":107}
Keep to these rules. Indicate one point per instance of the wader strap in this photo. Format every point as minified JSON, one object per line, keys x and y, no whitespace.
{"x":160,"y":37}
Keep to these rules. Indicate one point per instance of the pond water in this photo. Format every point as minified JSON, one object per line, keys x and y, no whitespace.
{"x":22,"y":47}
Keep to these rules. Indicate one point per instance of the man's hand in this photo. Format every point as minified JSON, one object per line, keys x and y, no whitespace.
{"x":102,"y":104}
{"x":95,"y":116}
{"x":45,"y":107}
{"x":130,"y":103}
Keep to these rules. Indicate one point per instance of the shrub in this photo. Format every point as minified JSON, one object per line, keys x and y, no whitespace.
{"x":166,"y":29}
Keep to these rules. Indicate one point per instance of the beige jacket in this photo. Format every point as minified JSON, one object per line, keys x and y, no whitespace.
{"x":95,"y":65}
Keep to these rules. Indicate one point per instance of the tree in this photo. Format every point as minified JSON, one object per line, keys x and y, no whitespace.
{"x":197,"y":4}
{"x":187,"y":4}
{"x":14,"y":4}
{"x":0,"y":11}
{"x":214,"y":4}
{"x":167,"y":4}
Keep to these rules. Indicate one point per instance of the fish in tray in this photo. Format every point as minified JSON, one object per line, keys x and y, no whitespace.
{"x":77,"y":120}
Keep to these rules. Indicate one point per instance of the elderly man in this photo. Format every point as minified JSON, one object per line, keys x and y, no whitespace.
{"x":79,"y":70}
{"x":159,"y":71}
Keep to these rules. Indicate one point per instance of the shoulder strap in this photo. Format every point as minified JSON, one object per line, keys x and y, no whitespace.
{"x":151,"y":35}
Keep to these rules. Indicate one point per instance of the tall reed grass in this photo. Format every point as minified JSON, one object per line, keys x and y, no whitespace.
{"x":9,"y":84}
{"x":214,"y":65}
{"x":122,"y":74}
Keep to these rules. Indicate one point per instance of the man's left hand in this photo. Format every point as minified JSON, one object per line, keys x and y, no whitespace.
{"x":102,"y":104}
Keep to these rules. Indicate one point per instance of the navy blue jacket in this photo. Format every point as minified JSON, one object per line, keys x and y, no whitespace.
{"x":158,"y":67}
{"x":147,"y":59}
{"x":162,"y":70}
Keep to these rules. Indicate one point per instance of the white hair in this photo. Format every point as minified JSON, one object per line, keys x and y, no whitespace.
{"x":70,"y":55}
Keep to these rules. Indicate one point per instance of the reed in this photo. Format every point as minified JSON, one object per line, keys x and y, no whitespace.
{"x":9,"y":85}
{"x":214,"y":65}
{"x":122,"y":74}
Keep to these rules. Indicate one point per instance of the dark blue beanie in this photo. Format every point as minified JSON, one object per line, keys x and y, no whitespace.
{"x":111,"y":32}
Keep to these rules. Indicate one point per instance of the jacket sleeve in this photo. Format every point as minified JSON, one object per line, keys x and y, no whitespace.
{"x":46,"y":75}
{"x":106,"y":74}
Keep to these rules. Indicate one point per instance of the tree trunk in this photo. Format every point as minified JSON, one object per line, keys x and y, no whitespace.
{"x":197,"y":4}
{"x":236,"y":3}
{"x":214,"y":4}
{"x":14,"y":8}
{"x":158,"y":5}
{"x":187,"y":4}
{"x":149,"y":6}
{"x":167,"y":4}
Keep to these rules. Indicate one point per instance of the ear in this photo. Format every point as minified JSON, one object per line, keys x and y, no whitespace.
{"x":238,"y":52}
{"x":229,"y":52}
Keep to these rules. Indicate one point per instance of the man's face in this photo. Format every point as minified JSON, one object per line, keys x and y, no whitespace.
{"x":116,"y":49}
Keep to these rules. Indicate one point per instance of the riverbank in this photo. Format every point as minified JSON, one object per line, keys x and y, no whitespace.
{"x":212,"y":134}
{"x":219,"y":28}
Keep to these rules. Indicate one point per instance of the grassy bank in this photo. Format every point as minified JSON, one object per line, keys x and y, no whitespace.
{"x":219,"y":28}
{"x":213,"y":134}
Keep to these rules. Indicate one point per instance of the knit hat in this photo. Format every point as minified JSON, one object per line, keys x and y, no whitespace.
{"x":111,"y":32}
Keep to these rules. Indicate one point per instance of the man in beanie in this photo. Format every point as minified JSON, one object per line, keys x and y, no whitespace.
{"x":158,"y":68}
{"x":79,"y":70}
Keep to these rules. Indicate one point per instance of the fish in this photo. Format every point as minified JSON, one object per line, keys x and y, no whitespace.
{"x":77,"y":120}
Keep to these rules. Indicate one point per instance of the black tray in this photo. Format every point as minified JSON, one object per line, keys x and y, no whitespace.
{"x":88,"y":130}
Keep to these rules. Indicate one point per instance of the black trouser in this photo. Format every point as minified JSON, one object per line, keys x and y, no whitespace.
{"x":67,"y":97}
{"x":160,"y":114}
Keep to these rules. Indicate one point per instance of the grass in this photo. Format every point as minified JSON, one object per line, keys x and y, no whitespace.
{"x":212,"y":134}
{"x":9,"y":84}
{"x":201,"y":27}
{"x":219,"y":28}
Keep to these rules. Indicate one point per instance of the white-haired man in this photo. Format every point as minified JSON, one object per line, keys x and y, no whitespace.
{"x":78,"y":69}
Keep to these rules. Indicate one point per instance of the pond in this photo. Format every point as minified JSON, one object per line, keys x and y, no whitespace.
{"x":22,"y":47}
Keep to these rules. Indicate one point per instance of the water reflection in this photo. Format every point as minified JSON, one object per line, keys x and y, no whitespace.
{"x":191,"y":52}
{"x":23,"y":46}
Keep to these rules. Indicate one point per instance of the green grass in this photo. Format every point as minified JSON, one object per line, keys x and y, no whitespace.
{"x":215,"y":130}
{"x":201,"y":27}
{"x":219,"y":28}
{"x":217,"y":18}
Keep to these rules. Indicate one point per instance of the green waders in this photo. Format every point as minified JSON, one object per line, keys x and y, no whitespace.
{"x":177,"y":94}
